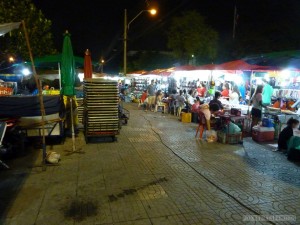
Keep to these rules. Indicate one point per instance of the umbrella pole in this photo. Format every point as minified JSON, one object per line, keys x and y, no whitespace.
{"x":41,"y":100}
{"x":59,"y":74}
{"x":72,"y":125}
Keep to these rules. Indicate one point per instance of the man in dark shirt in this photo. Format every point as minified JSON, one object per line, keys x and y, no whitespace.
{"x":215,"y":104}
{"x":286,"y":134}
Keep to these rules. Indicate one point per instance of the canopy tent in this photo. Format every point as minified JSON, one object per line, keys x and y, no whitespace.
{"x":284,"y":59}
{"x":51,"y":61}
{"x":240,"y":65}
{"x":7,"y":27}
{"x":207,"y":67}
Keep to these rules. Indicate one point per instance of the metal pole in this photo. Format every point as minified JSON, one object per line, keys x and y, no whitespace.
{"x":72,"y":124}
{"x":125,"y":42}
{"x":59,"y":74}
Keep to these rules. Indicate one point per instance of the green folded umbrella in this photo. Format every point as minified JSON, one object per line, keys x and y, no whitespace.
{"x":67,"y":68}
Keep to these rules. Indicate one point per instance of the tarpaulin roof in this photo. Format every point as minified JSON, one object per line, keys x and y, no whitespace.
{"x":52,"y":61}
{"x":207,"y":67}
{"x":185,"y":68}
{"x":7,"y":27}
{"x":241,"y":65}
{"x":139,"y":72}
{"x":283,"y":59}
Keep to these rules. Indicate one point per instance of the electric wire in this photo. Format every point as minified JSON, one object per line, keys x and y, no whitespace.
{"x":203,"y":176}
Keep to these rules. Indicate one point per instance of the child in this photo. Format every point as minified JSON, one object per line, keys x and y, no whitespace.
{"x":287,"y":133}
{"x":242,"y":101}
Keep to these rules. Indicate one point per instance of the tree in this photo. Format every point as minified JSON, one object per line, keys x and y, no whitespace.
{"x":38,"y":28}
{"x":150,"y":60}
{"x":190,"y":35}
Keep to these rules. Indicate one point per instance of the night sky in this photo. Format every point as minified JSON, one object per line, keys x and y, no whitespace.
{"x":98,"y":25}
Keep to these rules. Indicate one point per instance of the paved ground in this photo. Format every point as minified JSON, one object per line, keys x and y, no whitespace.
{"x":156,"y":174}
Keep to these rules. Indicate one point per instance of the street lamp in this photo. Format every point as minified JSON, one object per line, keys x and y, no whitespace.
{"x":11,"y":59}
{"x":126,"y":28}
{"x":102,"y":61}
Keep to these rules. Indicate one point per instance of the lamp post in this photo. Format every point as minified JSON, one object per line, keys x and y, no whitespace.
{"x":126,"y":28}
{"x":102,"y":65}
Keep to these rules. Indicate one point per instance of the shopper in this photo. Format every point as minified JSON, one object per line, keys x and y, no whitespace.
{"x":234,"y":96}
{"x":286,"y":134}
{"x":256,"y":105}
{"x":225,"y":92}
{"x":195,"y":106}
{"x":204,"y":108}
{"x":267,"y":93}
{"x":189,"y":97}
{"x":172,"y":101}
{"x":215,"y":104}
{"x":180,"y":102}
{"x":151,"y":95}
{"x":142,"y":100}
{"x":158,"y":99}
{"x":202,"y":90}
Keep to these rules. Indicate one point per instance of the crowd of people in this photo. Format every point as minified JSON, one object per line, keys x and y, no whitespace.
{"x":199,"y":100}
{"x":182,"y":100}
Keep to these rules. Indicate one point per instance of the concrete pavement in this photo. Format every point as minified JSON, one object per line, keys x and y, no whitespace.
{"x":156,"y":174}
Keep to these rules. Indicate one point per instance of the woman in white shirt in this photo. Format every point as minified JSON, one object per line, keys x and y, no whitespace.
{"x":234,"y":96}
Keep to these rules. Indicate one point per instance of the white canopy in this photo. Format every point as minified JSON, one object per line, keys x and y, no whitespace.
{"x":7,"y":27}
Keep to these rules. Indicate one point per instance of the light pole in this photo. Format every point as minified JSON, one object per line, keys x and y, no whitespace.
{"x":126,"y":28}
{"x":102,"y":65}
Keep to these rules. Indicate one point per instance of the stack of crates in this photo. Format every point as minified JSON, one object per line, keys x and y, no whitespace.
{"x":101,"y":108}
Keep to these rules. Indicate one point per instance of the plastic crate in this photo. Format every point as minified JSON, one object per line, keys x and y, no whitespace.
{"x":229,"y":138}
{"x":234,"y":138}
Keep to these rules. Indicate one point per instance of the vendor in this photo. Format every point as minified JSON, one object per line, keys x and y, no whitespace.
{"x":267,"y":93}
{"x":225,"y":92}
{"x":201,"y":90}
{"x":234,"y":96}
{"x":215,"y":104}
{"x":286,"y":134}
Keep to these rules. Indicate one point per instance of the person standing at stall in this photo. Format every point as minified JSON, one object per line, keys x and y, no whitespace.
{"x":215,"y":105}
{"x":151,"y":95}
{"x":267,"y":93}
{"x":202,"y":90}
{"x":234,"y":96}
{"x":225,"y":92}
{"x":257,"y":105}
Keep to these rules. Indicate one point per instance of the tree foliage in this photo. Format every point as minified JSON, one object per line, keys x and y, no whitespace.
{"x":190,"y":35}
{"x":150,"y":60}
{"x":38,"y":28}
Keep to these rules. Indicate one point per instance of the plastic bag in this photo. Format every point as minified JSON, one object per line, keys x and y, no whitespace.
{"x":211,"y":136}
{"x":52,"y":157}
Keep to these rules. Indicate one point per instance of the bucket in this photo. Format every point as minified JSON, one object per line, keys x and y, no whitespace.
{"x":186,"y":117}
